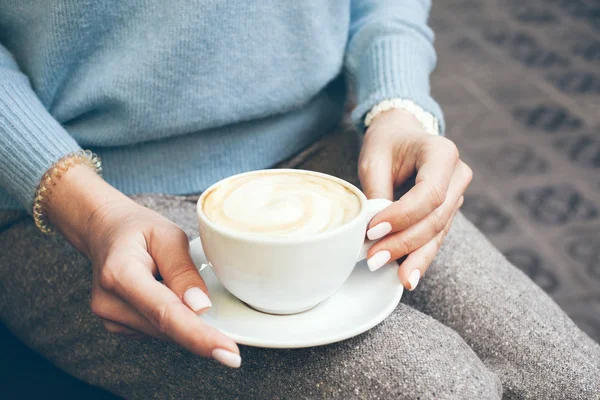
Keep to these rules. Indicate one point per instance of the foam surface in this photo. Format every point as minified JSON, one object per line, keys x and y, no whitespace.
{"x":285,"y":204}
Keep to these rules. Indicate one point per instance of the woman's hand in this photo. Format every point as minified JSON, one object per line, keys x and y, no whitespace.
{"x":395,"y":147}
{"x":130,"y":248}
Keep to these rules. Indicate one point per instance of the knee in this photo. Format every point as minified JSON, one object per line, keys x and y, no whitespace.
{"x":567,"y":370}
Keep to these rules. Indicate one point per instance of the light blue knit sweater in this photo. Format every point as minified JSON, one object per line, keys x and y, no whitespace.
{"x":175,"y":95}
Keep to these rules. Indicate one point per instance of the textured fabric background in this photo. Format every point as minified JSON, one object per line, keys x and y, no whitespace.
{"x":519,"y":82}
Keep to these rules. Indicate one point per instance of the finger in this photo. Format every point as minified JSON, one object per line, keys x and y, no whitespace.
{"x":166,"y":312}
{"x":171,"y":252}
{"x":417,"y":262}
{"x":111,"y":308}
{"x":375,"y":169}
{"x":404,"y":242}
{"x":435,"y":166}
{"x":118,"y":329}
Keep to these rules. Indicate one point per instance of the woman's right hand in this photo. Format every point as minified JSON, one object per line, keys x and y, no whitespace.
{"x":130,"y":247}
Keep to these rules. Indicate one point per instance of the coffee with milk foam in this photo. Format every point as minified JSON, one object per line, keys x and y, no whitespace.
{"x":285,"y":204}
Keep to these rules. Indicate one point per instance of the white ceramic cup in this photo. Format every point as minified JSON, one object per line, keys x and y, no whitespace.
{"x":286,"y":275}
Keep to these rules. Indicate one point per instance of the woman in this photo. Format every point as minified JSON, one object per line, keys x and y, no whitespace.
{"x":176,"y":96}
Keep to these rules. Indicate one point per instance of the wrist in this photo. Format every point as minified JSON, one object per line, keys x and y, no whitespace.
{"x":425,"y":120}
{"x":74,"y":200}
{"x":396,"y":117}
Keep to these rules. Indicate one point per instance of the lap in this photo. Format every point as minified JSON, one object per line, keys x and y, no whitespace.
{"x":44,"y":298}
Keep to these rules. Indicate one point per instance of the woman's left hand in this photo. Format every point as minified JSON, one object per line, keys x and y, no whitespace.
{"x":395,"y":147}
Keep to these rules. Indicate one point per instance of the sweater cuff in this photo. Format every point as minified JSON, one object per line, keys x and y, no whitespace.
{"x":31,"y":139}
{"x":395,"y":67}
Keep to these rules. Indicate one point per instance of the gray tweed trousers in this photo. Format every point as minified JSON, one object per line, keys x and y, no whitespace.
{"x":475,"y":328}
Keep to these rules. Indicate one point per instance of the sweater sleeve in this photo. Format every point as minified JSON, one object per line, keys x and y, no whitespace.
{"x":390,"y":54}
{"x":31,"y":140}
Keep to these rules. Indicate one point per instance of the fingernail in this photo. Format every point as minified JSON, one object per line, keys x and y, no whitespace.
{"x":378,"y":260}
{"x":227,"y":357}
{"x":196,"y":299}
{"x":413,"y":279}
{"x":379,"y":231}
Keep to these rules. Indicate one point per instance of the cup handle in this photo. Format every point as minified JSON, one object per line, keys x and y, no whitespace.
{"x":374,"y":206}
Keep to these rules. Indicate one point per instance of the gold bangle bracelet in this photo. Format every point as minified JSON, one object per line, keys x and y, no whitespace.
{"x":49,"y":179}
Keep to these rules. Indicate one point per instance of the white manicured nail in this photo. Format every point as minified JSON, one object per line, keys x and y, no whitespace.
{"x":378,"y":260}
{"x":413,"y":279}
{"x":227,"y":357}
{"x":379,"y":230}
{"x":196,"y":299}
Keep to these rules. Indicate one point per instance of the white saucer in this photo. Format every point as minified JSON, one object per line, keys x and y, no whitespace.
{"x":365,"y":300}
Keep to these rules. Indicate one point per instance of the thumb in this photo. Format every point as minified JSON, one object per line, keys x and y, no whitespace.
{"x":375,"y":170}
{"x":171,"y":252}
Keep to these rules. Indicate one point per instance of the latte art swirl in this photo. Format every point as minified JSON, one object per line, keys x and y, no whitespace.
{"x":281,"y":204}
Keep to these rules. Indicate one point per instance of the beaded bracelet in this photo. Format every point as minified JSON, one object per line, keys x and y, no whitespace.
{"x":429,"y":122}
{"x":49,"y":179}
